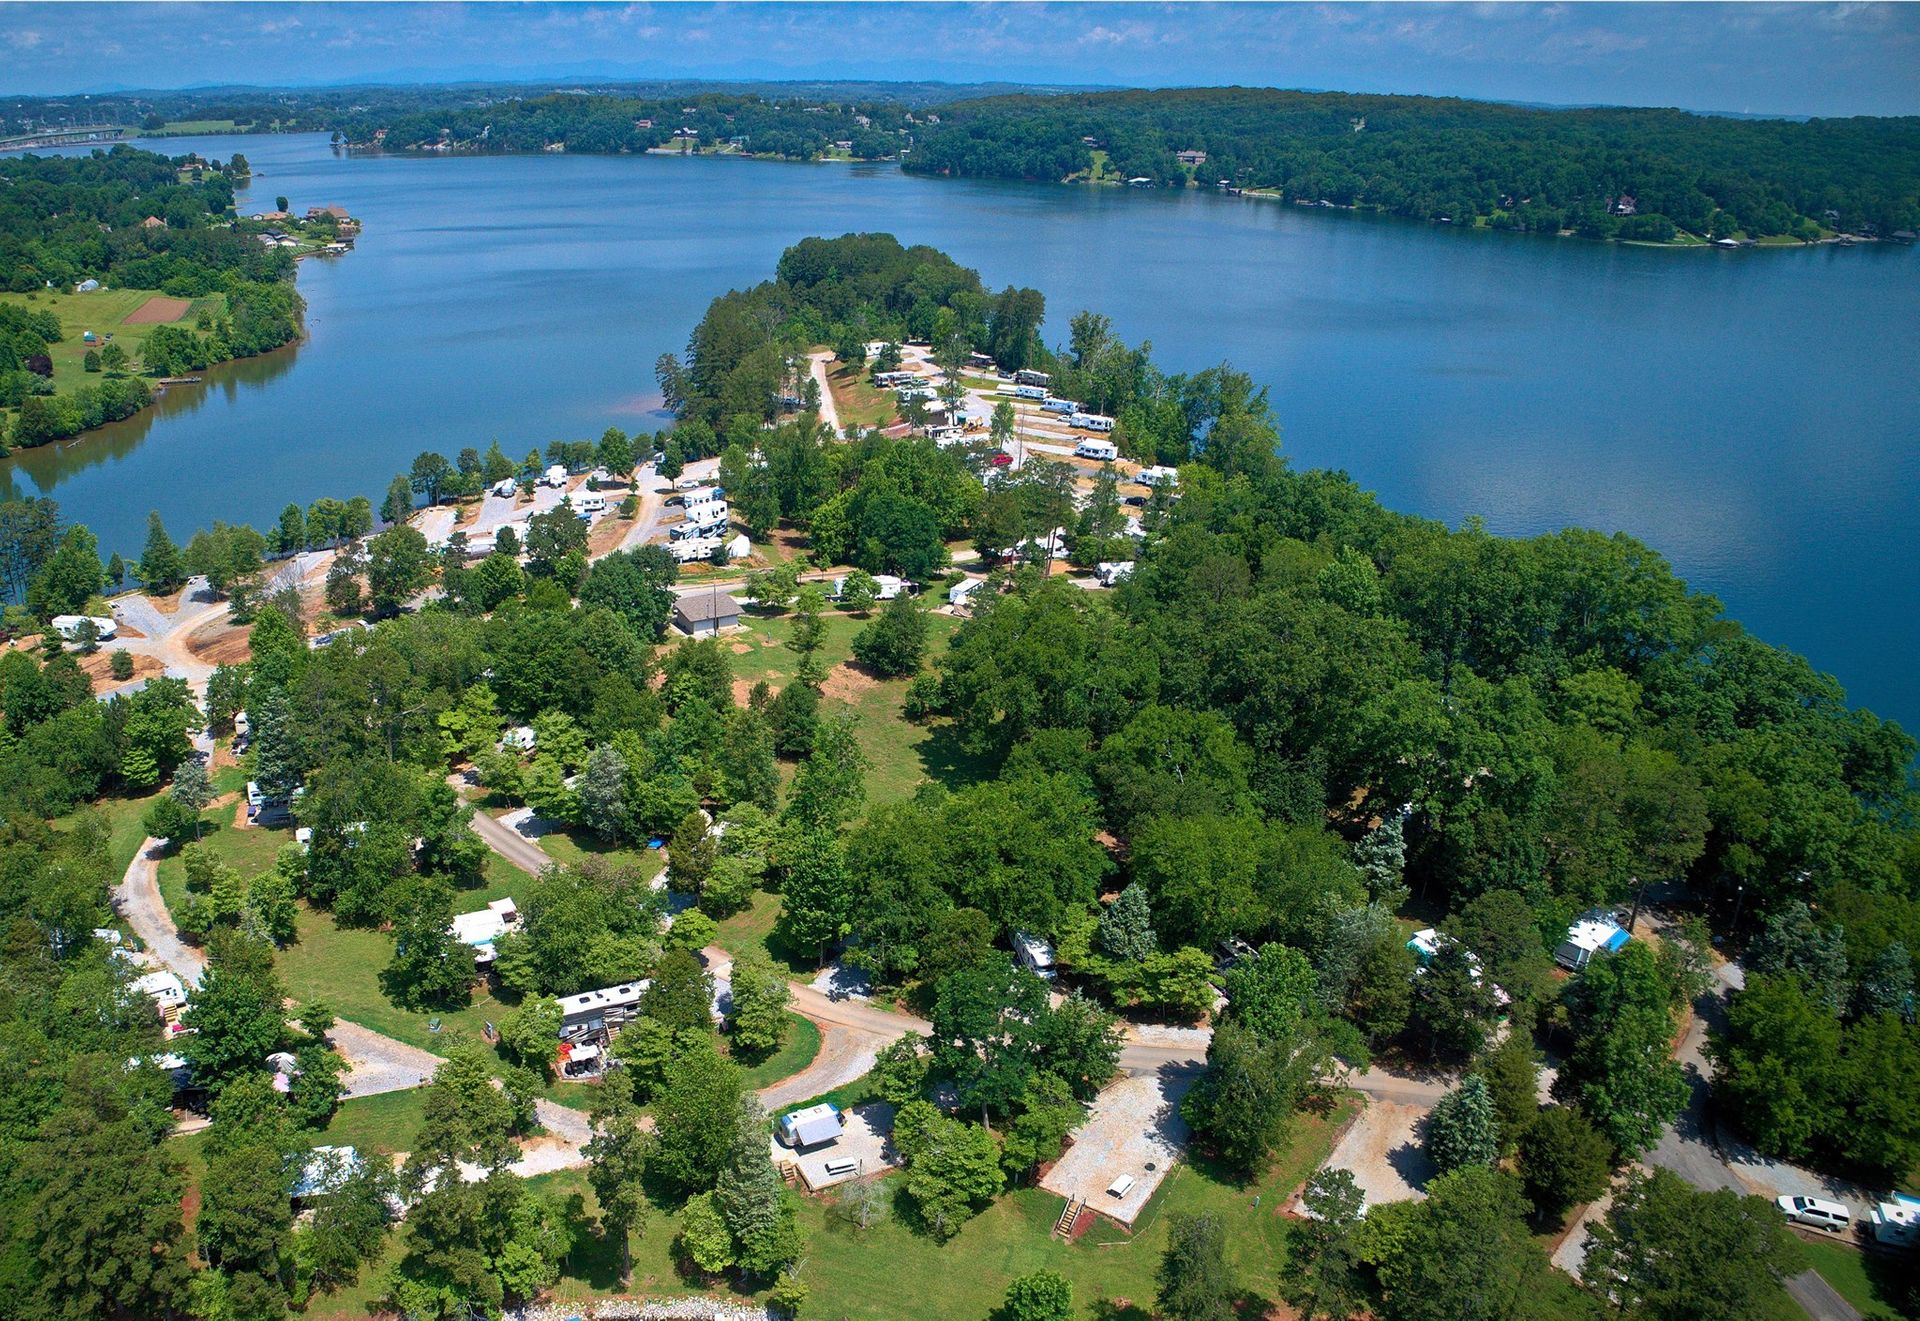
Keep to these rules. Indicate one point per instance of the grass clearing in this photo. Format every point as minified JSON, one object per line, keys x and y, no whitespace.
{"x":795,"y":1053}
{"x":858,"y":400}
{"x":1867,"y":1280}
{"x":104,"y":312}
{"x":574,"y":845}
{"x":856,"y":1274}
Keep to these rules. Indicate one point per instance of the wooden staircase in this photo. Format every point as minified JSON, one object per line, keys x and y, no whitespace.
{"x":790,"y":1173}
{"x":1069,"y":1217}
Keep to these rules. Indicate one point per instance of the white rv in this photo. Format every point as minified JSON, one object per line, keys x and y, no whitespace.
{"x":1110,"y":572}
{"x":700,"y":495}
{"x":1157,"y":476}
{"x":68,"y":626}
{"x":555,"y":476}
{"x":590,"y":504}
{"x":1037,"y":393}
{"x":1066,"y":406}
{"x":1091,"y":422}
{"x":505,"y":488}
{"x":1103,"y":450}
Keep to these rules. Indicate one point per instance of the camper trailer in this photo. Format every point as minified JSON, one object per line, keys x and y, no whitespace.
{"x":555,"y":476}
{"x":589,"y":504}
{"x":1105,"y":451}
{"x":1091,"y":422}
{"x":1037,"y":393}
{"x":1157,"y":476}
{"x":1028,"y":376}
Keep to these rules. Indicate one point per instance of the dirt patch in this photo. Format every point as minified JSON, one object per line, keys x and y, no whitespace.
{"x":167,"y":604}
{"x":607,"y":534}
{"x":127,"y":631}
{"x":742,"y":648}
{"x":742,"y":689}
{"x":158,"y":311}
{"x":1384,"y":1152}
{"x":849,"y":681}
{"x":787,"y":543}
{"x":95,"y":668}
{"x":224,"y":643}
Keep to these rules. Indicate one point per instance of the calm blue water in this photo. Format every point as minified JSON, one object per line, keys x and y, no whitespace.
{"x":1754,"y":415}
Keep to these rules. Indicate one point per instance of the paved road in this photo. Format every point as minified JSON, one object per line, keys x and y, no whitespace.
{"x":377,"y":1063}
{"x":509,"y":843}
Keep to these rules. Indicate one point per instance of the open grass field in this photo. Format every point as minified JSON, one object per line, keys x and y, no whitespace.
{"x":858,"y":400}
{"x":901,"y":755}
{"x":104,"y":312}
{"x":574,"y":845}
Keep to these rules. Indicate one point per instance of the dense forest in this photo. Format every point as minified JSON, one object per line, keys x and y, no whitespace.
{"x":1303,"y":723}
{"x":322,"y":109}
{"x":1626,"y":173}
{"x":64,"y":220}
{"x":796,"y":129}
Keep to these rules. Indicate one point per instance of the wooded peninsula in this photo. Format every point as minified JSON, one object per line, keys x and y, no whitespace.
{"x":1314,"y":794}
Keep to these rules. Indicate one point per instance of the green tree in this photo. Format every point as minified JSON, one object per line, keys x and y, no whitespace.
{"x":1126,"y":927}
{"x":71,"y":577}
{"x":430,"y":967}
{"x":399,"y":566}
{"x":753,"y":1201}
{"x":1465,"y":1254}
{"x":1564,"y":1160}
{"x":617,"y":1162}
{"x":694,"y":1116}
{"x":1512,"y":1073}
{"x":1621,"y":1069}
{"x":1195,"y":1282}
{"x":1452,"y":1004}
{"x":953,"y":1168}
{"x":1038,"y":1296}
{"x":896,"y":642}
{"x":1321,"y":1276}
{"x":162,"y":569}
{"x":760,"y":996}
{"x":236,"y":1015}
{"x":1462,"y":1129}
{"x":531,"y":1033}
{"x":1668,"y":1251}
{"x":396,"y":508}
{"x":635,"y":585}
{"x":429,"y":474}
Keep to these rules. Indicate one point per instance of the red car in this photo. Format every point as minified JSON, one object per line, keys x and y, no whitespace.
{"x":1000,"y":458}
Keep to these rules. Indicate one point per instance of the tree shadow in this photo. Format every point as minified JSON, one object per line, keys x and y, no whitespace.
{"x":1118,"y":1309}
{"x":944,"y":759}
{"x":594,"y":1257}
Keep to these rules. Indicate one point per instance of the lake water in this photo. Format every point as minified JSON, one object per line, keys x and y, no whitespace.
{"x":1754,"y":415}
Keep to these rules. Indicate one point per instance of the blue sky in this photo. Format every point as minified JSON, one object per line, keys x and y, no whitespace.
{"x":1763,"y":58}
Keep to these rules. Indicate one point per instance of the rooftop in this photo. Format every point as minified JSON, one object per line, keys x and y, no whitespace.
{"x":698,"y":607}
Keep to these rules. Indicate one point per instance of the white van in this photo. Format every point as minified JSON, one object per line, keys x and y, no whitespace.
{"x":1104,"y":450}
{"x":1817,"y":1213}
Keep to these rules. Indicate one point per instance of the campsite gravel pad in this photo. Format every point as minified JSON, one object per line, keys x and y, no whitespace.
{"x":1134,"y":1124}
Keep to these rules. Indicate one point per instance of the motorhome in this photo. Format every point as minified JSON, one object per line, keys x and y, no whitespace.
{"x":69,"y":626}
{"x":589,"y":504}
{"x":504,"y":488}
{"x":1091,"y":422}
{"x":555,"y":476}
{"x":1103,"y":450}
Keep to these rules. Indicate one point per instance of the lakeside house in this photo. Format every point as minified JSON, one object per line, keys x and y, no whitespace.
{"x":1191,"y":157}
{"x":705,"y":614}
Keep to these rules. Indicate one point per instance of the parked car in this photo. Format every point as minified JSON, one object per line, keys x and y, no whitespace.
{"x":1000,"y":458}
{"x":1817,"y":1213}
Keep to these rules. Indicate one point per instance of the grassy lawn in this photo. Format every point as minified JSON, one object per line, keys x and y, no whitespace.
{"x":747,"y":930}
{"x":856,"y":1274}
{"x":901,"y":755}
{"x":388,"y":1122}
{"x":795,"y":1054}
{"x":342,"y":965}
{"x":249,"y":852}
{"x":187,"y":126}
{"x":125,"y":833}
{"x":858,"y":400}
{"x":1865,"y":1280}
{"x":102,"y":312}
{"x":572,"y":846}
